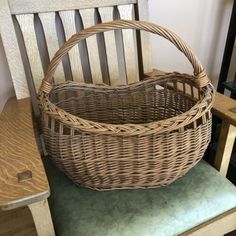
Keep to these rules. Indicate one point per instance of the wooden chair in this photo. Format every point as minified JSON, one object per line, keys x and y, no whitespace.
{"x":201,"y":203}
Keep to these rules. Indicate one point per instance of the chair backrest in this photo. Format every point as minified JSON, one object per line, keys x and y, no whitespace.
{"x":32,"y":31}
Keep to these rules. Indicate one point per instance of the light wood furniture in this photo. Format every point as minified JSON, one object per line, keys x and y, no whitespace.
{"x":217,"y":226}
{"x":225,"y":109}
{"x":29,"y":34}
{"x":22,"y":179}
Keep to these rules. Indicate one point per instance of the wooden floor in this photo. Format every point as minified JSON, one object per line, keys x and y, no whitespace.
{"x":19,"y":223}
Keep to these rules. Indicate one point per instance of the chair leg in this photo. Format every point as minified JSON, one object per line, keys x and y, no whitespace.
{"x":42,"y":218}
{"x":225,"y":147}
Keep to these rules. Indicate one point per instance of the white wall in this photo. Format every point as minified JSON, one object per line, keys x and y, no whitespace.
{"x":201,"y":23}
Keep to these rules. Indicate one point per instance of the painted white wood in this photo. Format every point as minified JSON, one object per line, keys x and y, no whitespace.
{"x":68,"y":21}
{"x":143,"y":14}
{"x":37,"y":6}
{"x":48,"y":21}
{"x":12,"y":51}
{"x":26,"y":23}
{"x":106,"y":14}
{"x":88,"y":19}
{"x":42,"y":218}
{"x":126,"y":12}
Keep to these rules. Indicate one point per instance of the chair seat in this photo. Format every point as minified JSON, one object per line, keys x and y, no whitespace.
{"x":191,"y":200}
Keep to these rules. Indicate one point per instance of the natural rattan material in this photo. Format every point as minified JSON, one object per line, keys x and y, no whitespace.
{"x":142,"y":135}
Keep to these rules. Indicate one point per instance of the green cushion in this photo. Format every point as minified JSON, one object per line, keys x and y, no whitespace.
{"x":191,"y":200}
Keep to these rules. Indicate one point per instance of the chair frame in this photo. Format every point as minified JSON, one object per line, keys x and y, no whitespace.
{"x":23,"y":180}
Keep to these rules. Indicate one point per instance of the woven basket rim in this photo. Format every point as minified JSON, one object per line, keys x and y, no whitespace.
{"x":130,"y":129}
{"x":190,"y":79}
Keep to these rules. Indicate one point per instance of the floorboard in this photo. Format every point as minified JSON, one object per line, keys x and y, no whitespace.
{"x":17,"y":222}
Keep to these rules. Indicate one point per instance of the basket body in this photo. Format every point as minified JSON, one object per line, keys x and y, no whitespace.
{"x":149,"y":159}
{"x":141,"y":135}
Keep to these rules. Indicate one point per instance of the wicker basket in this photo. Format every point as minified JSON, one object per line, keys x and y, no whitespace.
{"x":142,"y":135}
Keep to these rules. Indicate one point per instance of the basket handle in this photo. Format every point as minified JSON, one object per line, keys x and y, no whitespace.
{"x":201,"y":77}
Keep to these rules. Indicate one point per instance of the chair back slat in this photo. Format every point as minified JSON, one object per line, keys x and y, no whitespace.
{"x":144,"y":42}
{"x":48,"y":21}
{"x":127,"y":12}
{"x":107,"y":14}
{"x":88,"y":19}
{"x":68,"y":21}
{"x":32,"y":31}
{"x":26,"y":23}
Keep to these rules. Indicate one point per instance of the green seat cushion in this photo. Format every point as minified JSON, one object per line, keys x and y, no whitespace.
{"x":191,"y":200}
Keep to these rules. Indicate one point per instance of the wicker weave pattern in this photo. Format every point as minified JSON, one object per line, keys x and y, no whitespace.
{"x":142,"y":135}
{"x":105,"y":162}
{"x":129,"y":129}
